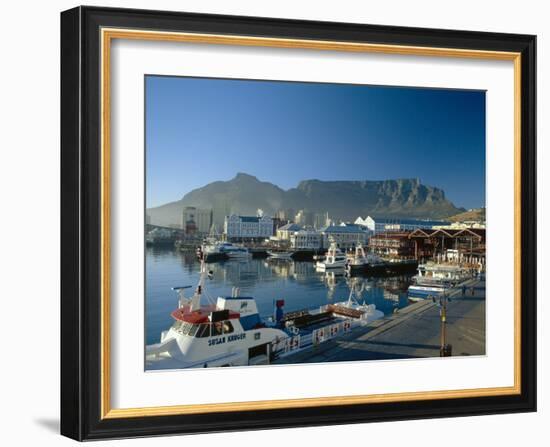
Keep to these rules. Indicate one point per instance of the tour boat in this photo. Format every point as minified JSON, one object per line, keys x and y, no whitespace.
{"x":334,"y":259}
{"x":360,"y":261}
{"x":434,"y":280}
{"x":227,"y":333}
{"x":231,"y":332}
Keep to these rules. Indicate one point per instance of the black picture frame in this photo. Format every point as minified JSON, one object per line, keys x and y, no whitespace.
{"x":81,"y":223}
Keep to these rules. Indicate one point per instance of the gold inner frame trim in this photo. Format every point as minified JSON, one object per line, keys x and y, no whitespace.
{"x":107,"y":35}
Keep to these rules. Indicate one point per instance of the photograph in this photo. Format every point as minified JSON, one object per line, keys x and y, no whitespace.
{"x":293,"y":222}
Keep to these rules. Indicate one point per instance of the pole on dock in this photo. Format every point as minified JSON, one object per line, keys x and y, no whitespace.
{"x":443,"y":329}
{"x":445,"y":350}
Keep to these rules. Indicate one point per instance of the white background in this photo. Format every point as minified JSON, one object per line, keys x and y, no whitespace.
{"x":29,"y":185}
{"x":131,"y":387}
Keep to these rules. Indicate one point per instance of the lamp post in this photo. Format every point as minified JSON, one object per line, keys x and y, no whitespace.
{"x":445,"y":350}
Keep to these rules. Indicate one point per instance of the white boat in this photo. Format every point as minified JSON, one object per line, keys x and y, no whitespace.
{"x":235,"y":251}
{"x":209,"y":248}
{"x":280,"y":254}
{"x":359,"y":260}
{"x":229,"y":332}
{"x":434,"y":280}
{"x":213,"y":249}
{"x":368,"y":312}
{"x":334,"y":259}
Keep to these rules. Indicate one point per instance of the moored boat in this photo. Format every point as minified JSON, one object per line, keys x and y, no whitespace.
{"x":434,"y":280}
{"x":213,"y":250}
{"x":361,"y":261}
{"x":334,"y":259}
{"x":280,"y":254}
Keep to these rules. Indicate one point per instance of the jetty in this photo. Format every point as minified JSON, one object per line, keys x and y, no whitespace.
{"x":411,"y":332}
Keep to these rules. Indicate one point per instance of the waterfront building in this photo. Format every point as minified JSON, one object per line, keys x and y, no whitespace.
{"x":247,"y":228}
{"x":286,"y":231}
{"x":161,"y":236}
{"x":196,"y":220}
{"x":346,"y":236}
{"x":462,"y":225}
{"x":392,"y":244}
{"x":306,"y":240}
{"x":379,"y":224}
{"x":465,"y":246}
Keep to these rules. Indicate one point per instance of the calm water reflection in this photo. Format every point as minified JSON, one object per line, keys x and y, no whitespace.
{"x":266,"y":280}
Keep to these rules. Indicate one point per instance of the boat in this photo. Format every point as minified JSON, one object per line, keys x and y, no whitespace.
{"x":334,"y":259}
{"x":359,"y":261}
{"x":280,"y":254}
{"x":160,"y":236}
{"x":235,"y":251}
{"x":213,"y":250}
{"x":434,"y":280}
{"x":365,"y":312}
{"x":230,"y":331}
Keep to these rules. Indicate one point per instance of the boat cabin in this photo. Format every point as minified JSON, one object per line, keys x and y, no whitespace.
{"x":230,"y":314}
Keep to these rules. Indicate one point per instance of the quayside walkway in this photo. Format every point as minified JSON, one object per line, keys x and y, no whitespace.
{"x":412,"y":332}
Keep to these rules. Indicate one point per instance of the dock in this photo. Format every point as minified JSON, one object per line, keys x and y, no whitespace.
{"x":411,"y":332}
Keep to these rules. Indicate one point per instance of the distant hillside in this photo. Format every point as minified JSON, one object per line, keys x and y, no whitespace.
{"x":345,"y":200}
{"x":477,"y":214}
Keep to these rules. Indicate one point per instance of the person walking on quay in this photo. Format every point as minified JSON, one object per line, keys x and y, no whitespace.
{"x":463,"y":290}
{"x":473,"y":290}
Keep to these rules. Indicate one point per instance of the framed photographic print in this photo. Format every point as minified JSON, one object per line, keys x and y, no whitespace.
{"x":276,"y":223}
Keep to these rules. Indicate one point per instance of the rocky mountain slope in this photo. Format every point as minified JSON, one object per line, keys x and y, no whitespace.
{"x":345,"y":200}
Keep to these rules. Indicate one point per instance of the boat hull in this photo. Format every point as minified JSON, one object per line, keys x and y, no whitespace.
{"x":323,"y":267}
{"x":383,"y":269}
{"x":419,"y":293}
{"x":281,"y":255}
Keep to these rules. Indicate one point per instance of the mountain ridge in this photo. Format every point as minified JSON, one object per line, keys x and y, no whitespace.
{"x":343,"y":200}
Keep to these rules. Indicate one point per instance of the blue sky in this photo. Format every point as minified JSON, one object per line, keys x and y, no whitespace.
{"x":201,"y":130}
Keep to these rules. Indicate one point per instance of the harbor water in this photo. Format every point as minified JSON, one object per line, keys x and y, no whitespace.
{"x":267,"y":280}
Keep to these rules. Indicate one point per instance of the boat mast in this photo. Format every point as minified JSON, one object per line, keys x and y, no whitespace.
{"x":196,"y":300}
{"x":351,"y":298}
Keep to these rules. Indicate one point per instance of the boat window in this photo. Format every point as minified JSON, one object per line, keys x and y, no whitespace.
{"x":227,"y":327}
{"x":193,"y":330}
{"x":177,"y":325}
{"x":204,"y":330}
{"x":217,"y":328}
{"x":185,"y":327}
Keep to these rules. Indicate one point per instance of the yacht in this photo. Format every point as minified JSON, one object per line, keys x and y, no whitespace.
{"x":213,"y":250}
{"x":434,"y":280}
{"x":334,"y":259}
{"x":360,"y":261}
{"x":235,"y":251}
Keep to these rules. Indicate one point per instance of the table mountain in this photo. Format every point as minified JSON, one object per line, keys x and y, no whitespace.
{"x":345,"y":200}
